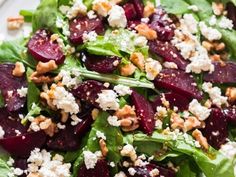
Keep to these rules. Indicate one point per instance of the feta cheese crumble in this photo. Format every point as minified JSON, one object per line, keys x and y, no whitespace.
{"x":201,"y":112}
{"x":152,"y":68}
{"x":108,"y":100}
{"x":189,"y":23}
{"x":131,"y":171}
{"x":215,"y":94}
{"x":117,"y":17}
{"x":209,"y":33}
{"x":2,"y":133}
{"x":120,"y":174}
{"x":22,"y":92}
{"x":113,"y":121}
{"x":193,"y":8}
{"x":69,"y":79}
{"x":122,"y":90}
{"x":88,"y":37}
{"x":226,"y":23}
{"x":170,"y":65}
{"x":101,"y":135}
{"x":90,"y":159}
{"x":129,"y":151}
{"x":77,"y":8}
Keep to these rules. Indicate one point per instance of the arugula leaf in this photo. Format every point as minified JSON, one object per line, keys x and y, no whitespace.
{"x":13,"y":51}
{"x":175,"y":7}
{"x":45,"y":16}
{"x":28,"y":14}
{"x":212,"y":163}
{"x":4,"y":168}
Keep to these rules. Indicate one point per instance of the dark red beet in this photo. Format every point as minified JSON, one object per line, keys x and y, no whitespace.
{"x":21,"y":146}
{"x":139,"y":7}
{"x":178,"y":81}
{"x":83,"y":127}
{"x":42,"y":48}
{"x":11,"y":83}
{"x":22,"y":164}
{"x":100,"y":170}
{"x":102,"y":64}
{"x":144,"y":111}
{"x":175,"y":100}
{"x":130,"y":11}
{"x":83,"y":24}
{"x":162,"y":25}
{"x":216,"y":128}
{"x":88,"y":91}
{"x":222,"y":74}
{"x":231,"y":9}
{"x":64,"y":140}
{"x":230,"y":114}
{"x":145,"y":171}
{"x":168,"y":52}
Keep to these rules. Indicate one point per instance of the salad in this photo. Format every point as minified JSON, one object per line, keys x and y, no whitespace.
{"x":120,"y":88}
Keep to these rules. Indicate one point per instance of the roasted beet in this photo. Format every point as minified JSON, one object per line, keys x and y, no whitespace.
{"x":231,"y":9}
{"x":162,"y":25}
{"x":42,"y":48}
{"x":178,"y":81}
{"x":83,"y":127}
{"x":100,"y":170}
{"x":101,"y":64}
{"x":144,"y":111}
{"x":139,"y":7}
{"x":21,"y":164}
{"x":168,"y":52}
{"x":9,"y":85}
{"x":230,"y":114}
{"x":175,"y":100}
{"x":64,"y":140}
{"x":223,"y":73}
{"x":145,"y":171}
{"x":130,"y":11}
{"x":216,"y":128}
{"x":21,"y":146}
{"x":81,"y":25}
{"x":88,"y":91}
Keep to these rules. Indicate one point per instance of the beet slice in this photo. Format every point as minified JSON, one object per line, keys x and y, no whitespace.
{"x":178,"y":81}
{"x":162,"y":25}
{"x":230,"y":114}
{"x":64,"y":140}
{"x":88,"y":91}
{"x":175,"y":100}
{"x":102,"y":64}
{"x":21,"y":146}
{"x":231,"y":9}
{"x":83,"y":127}
{"x":144,"y":111}
{"x":80,"y":25}
{"x":130,"y":11}
{"x":9,"y":85}
{"x":139,"y":7}
{"x":42,"y":48}
{"x":168,"y":52}
{"x":144,"y":171}
{"x":216,"y":130}
{"x":223,"y":73}
{"x":100,"y":170}
{"x":22,"y":164}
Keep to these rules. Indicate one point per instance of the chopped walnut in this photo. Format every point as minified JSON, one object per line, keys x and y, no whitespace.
{"x":64,"y":116}
{"x":144,"y":30}
{"x":215,"y":57}
{"x":33,"y":175}
{"x":19,"y":69}
{"x":43,"y":68}
{"x":207,"y":45}
{"x":127,"y":70}
{"x":94,"y":113}
{"x":49,"y":101}
{"x":231,"y":94}
{"x":176,"y":121}
{"x":190,"y":123}
{"x":14,"y":23}
{"x":149,"y":9}
{"x":103,"y":147}
{"x":39,"y":79}
{"x":200,"y":138}
{"x":219,"y":46}
{"x":137,"y":58}
{"x":126,"y":111}
{"x":102,"y":7}
{"x":218,"y":8}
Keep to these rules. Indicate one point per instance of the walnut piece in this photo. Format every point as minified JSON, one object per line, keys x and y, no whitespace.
{"x":137,"y":59}
{"x":19,"y":69}
{"x":200,"y":138}
{"x":127,"y":70}
{"x":15,"y":23}
{"x":145,"y":31}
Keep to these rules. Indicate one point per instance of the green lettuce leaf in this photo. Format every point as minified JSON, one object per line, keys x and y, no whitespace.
{"x":4,"y":168}
{"x":175,"y":7}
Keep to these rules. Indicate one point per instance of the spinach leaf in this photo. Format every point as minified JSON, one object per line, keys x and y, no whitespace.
{"x":13,"y":51}
{"x":45,"y":16}
{"x":175,"y":7}
{"x":33,"y":111}
{"x":185,"y":170}
{"x":212,"y":163}
{"x":5,"y":170}
{"x":27,"y":14}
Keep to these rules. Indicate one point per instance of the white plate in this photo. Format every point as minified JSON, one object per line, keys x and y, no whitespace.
{"x":11,"y":8}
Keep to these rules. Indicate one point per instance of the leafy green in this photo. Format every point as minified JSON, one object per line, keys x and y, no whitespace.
{"x":45,"y":16}
{"x":28,"y":14}
{"x":175,"y":7}
{"x":212,"y":163}
{"x":4,"y":168}
{"x":2,"y":103}
{"x":13,"y":51}
{"x":114,"y":140}
{"x":34,"y":111}
{"x":185,"y":170}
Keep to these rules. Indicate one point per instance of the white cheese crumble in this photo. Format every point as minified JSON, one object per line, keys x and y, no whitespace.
{"x":77,"y":8}
{"x":101,"y":135}
{"x":129,"y":151}
{"x":113,"y":121}
{"x":2,"y":133}
{"x":161,"y":111}
{"x":153,"y":173}
{"x":229,"y":150}
{"x":215,"y":94}
{"x":91,"y":14}
{"x":190,"y":23}
{"x":90,"y":159}
{"x":10,"y":161}
{"x":89,"y":37}
{"x":209,"y":33}
{"x":226,"y":23}
{"x":2,"y":38}
{"x":117,"y":17}
{"x":75,"y":120}
{"x":64,"y":9}
{"x":170,"y":65}
{"x":152,"y":68}
{"x":22,"y":92}
{"x":140,"y":41}
{"x":212,"y":20}
{"x":120,"y":174}
{"x":131,"y":171}
{"x":201,"y":112}
{"x":122,"y":90}
{"x":108,"y":100}
{"x":65,"y":100}
{"x":193,"y":8}
{"x":69,"y":79}
{"x":101,"y":7}
{"x":145,"y":20}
